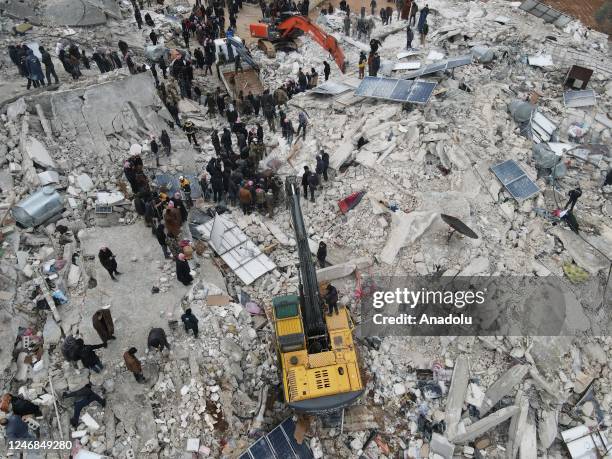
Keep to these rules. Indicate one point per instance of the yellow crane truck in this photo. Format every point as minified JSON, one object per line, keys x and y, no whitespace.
{"x":317,"y":355}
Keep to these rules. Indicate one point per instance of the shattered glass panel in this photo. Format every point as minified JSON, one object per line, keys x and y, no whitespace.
{"x":522,"y":188}
{"x":402,"y":90}
{"x":384,"y":88}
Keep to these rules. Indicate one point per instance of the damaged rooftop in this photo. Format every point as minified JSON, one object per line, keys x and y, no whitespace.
{"x":456,"y":158}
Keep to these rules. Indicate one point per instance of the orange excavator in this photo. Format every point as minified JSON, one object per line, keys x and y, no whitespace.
{"x":282,"y":34}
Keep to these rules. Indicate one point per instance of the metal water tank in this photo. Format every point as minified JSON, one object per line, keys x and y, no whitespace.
{"x":38,"y":207}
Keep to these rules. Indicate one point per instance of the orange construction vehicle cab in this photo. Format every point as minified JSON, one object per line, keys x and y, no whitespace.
{"x":259,"y":30}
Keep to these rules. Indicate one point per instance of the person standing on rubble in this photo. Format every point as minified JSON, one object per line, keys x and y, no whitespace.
{"x":313,"y":183}
{"x":34,"y":69}
{"x":289,"y":131}
{"x":190,"y":322}
{"x":245,"y":198}
{"x":305,"y":181}
{"x":573,"y":199}
{"x":347,"y":24}
{"x":173,"y":220}
{"x":49,"y":67}
{"x":160,"y":234}
{"x":322,"y":254}
{"x":83,"y":397}
{"x":107,"y":259}
{"x":325,"y":159}
{"x":413,"y":12}
{"x":331,"y":299}
{"x":373,"y":7}
{"x":326,"y":70}
{"x":424,"y":31}
{"x":133,"y":364}
{"x":190,"y":131}
{"x":423,"y":18}
{"x":153,"y":37}
{"x":102,"y":322}
{"x":409,"y":37}
{"x":89,"y":358}
{"x":362,"y":64}
{"x":165,"y":141}
{"x":138,"y":17}
{"x":302,"y":122}
{"x":157,"y":339}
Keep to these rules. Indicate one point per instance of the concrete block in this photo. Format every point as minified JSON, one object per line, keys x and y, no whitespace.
{"x":441,"y":446}
{"x":503,"y":386}
{"x":484,"y":425}
{"x":38,"y":153}
{"x":456,"y":395}
{"x":90,"y":422}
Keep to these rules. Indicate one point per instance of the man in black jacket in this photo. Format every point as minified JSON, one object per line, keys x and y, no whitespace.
{"x":305,"y":181}
{"x":157,"y":339}
{"x":107,"y":259}
{"x":160,"y":234}
{"x":190,"y":322}
{"x":89,"y":358}
{"x":331,"y":299}
{"x":83,"y":397}
{"x":322,"y":254}
{"x":49,"y":67}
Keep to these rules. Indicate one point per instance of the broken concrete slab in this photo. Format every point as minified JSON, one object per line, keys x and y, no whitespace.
{"x":441,"y":446}
{"x":528,"y":448}
{"x":405,"y":229}
{"x":456,"y":395}
{"x":17,"y":108}
{"x":484,"y":425}
{"x":38,"y":153}
{"x":547,"y":428}
{"x":85,"y":182}
{"x":518,"y":424}
{"x":580,"y":251}
{"x":278,"y":233}
{"x":52,"y":333}
{"x":503,"y":386}
{"x":48,"y":177}
{"x":343,"y":269}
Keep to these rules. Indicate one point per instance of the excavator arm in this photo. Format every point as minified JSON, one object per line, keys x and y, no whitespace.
{"x":322,"y":38}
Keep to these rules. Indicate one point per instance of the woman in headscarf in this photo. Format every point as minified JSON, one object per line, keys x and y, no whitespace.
{"x":173,"y":220}
{"x":107,"y":259}
{"x":183,"y":273}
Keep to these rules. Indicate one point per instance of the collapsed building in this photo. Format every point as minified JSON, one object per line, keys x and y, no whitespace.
{"x":525,"y":94}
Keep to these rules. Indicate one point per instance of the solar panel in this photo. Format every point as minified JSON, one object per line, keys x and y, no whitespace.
{"x":279,"y":444}
{"x":515,"y":180}
{"x":367,"y":86}
{"x":421,"y":92}
{"x":331,"y":88}
{"x":584,"y":98}
{"x":418,"y":92}
{"x":448,"y":64}
{"x":402,"y":90}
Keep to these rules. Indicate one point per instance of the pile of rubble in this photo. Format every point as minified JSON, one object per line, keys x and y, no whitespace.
{"x":431,"y":396}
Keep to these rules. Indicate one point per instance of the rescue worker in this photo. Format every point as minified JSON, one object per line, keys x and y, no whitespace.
{"x":190,"y":130}
{"x":362,"y":65}
{"x":185,"y":185}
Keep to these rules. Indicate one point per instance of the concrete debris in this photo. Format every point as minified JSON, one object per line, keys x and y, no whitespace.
{"x":65,"y":194}
{"x":485,"y":424}
{"x":503,"y":386}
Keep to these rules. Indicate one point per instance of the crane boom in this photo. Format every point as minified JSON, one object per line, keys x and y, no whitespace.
{"x":324,"y":39}
{"x":309,"y":287}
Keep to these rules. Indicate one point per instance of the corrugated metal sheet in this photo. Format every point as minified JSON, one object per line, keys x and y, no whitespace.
{"x":236,"y":249}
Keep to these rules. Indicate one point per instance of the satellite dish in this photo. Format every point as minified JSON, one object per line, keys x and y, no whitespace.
{"x":458,"y":225}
